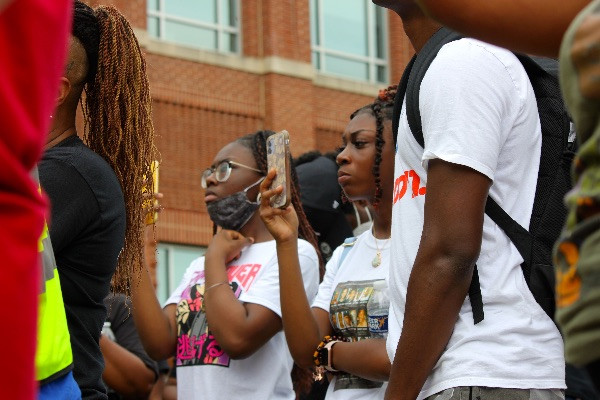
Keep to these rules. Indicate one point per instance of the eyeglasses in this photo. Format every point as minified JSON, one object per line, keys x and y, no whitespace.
{"x":222,"y":171}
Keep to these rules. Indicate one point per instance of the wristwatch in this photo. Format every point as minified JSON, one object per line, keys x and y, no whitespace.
{"x":326,"y":356}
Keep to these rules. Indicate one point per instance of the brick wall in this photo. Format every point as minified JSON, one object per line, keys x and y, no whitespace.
{"x":199,"y":107}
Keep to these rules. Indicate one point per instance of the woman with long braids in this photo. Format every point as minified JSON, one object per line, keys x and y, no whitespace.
{"x":223,"y":322}
{"x":334,"y":333}
{"x":96,"y":188}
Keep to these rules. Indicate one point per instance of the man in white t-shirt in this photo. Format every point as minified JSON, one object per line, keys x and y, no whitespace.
{"x":482,"y":136}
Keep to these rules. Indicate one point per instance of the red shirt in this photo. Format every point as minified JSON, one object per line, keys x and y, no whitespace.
{"x":33,"y":44}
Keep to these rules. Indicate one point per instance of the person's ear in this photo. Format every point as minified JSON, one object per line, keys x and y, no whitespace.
{"x":64,"y":88}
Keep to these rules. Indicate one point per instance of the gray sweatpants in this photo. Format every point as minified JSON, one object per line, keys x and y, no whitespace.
{"x":485,"y":393}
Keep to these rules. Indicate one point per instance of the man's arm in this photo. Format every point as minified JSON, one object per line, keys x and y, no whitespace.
{"x":439,"y":282}
{"x":529,"y":26}
{"x":124,"y":371}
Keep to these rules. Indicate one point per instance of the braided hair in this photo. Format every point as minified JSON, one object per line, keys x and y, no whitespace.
{"x":382,"y":109}
{"x":257,"y":143}
{"x":117,"y":118}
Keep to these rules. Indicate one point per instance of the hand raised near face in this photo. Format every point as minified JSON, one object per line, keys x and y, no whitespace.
{"x":227,"y":245}
{"x":282,"y":224}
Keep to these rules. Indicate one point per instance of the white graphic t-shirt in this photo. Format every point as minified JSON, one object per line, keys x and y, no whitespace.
{"x":478,"y":110}
{"x":204,"y":370}
{"x":344,"y":294}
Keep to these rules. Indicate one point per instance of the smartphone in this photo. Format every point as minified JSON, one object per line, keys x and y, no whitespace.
{"x":278,"y":157}
{"x":152,"y":217}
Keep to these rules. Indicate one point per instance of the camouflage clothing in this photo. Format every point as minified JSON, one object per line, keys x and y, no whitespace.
{"x":577,"y":254}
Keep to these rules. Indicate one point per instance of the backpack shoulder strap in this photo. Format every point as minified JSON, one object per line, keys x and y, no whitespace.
{"x":410,"y":84}
{"x":399,"y":99}
{"x":347,"y":245}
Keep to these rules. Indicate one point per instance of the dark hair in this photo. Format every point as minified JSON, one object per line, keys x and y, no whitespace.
{"x":256,"y":142}
{"x":382,"y":109}
{"x":117,"y":117}
{"x":306,"y":157}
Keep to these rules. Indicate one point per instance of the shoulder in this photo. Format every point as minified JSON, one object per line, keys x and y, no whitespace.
{"x":306,"y":249}
{"x":92,"y":168}
{"x":471,"y":69}
{"x":196,"y":265}
{"x":194,"y":272}
{"x":469,"y":50}
{"x":469,"y":56}
{"x":308,"y":258}
{"x":118,"y":306}
{"x":344,"y":249}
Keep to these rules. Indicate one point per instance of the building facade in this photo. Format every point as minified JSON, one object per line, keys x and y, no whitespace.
{"x":219,"y":69}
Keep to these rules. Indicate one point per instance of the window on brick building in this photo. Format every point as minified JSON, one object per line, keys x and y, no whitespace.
{"x":205,"y":24}
{"x":349,"y":39}
{"x":171,"y":262}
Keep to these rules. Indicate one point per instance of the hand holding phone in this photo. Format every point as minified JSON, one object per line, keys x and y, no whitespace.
{"x":278,"y":157}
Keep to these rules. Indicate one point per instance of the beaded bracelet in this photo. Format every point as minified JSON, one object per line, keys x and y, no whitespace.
{"x":324,"y":360}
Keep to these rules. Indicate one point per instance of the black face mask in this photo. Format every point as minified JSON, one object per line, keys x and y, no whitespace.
{"x":234,"y":211}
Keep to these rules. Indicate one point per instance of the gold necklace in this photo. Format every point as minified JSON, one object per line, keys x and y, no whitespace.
{"x":377,"y":259}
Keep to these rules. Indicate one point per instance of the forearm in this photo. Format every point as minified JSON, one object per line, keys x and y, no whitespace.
{"x":154,"y":328}
{"x":227,"y":317}
{"x":530,"y":26}
{"x":301,"y":328}
{"x":436,"y":292}
{"x":373,"y":363}
{"x":124,"y":372}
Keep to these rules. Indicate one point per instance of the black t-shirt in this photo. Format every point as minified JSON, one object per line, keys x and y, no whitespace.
{"x":87,"y":230}
{"x":126,"y":335}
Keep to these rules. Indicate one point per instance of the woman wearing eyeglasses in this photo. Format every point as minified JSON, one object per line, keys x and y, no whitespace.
{"x":223,"y":322}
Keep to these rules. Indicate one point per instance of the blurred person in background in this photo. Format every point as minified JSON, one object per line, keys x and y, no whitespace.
{"x":129,"y":373}
{"x":33,"y":46}
{"x":95,"y":188}
{"x":321,"y":198}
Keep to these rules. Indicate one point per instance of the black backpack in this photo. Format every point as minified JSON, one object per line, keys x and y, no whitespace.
{"x":554,"y":179}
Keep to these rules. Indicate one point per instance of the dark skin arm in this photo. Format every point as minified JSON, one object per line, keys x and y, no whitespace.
{"x":367,"y":358}
{"x":240,"y":328}
{"x":529,"y":26}
{"x":304,"y":326}
{"x":156,"y":327}
{"x":440,"y":278}
{"x":124,"y":371}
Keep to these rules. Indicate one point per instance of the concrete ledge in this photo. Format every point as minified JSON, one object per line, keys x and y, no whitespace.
{"x":253,"y":65}
{"x":348,"y":85}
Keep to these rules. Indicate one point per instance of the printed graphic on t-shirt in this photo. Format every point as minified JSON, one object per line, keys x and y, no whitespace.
{"x":408,"y":179}
{"x":348,"y":315}
{"x":195,"y":343}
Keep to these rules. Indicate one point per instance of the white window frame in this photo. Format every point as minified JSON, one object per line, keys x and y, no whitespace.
{"x":218,"y":28}
{"x":372,"y":61}
{"x":172,"y":281}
